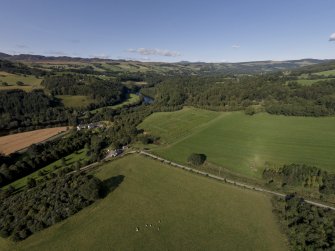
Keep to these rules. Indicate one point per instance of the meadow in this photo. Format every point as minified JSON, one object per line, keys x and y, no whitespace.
{"x":173,"y":126}
{"x":244,"y":144}
{"x":18,"y":141}
{"x":75,"y":101}
{"x":31,"y":82}
{"x":327,"y":73}
{"x":185,"y":211}
{"x":132,"y":99}
{"x":311,"y":81}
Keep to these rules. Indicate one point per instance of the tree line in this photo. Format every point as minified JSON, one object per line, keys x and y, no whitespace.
{"x":310,"y":69}
{"x":19,"y":68}
{"x":301,"y":175}
{"x":18,"y":165}
{"x":20,"y":109}
{"x":271,"y":92}
{"x":103,"y":92}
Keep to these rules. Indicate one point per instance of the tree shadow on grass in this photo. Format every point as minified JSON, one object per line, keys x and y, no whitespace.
{"x":111,"y":184}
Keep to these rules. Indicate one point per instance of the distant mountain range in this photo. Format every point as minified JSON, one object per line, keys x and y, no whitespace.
{"x":184,"y":66}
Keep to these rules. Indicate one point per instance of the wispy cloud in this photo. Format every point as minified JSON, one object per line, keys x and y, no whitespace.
{"x":56,"y":53}
{"x":332,"y":37}
{"x":143,"y":59}
{"x":154,"y":52}
{"x":236,"y":46}
{"x":22,"y":46}
{"x":100,"y":55}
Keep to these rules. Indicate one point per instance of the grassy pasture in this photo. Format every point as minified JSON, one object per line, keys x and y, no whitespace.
{"x":31,"y":82}
{"x":245,"y":144}
{"x":130,"y":100}
{"x":140,"y":83}
{"x":326,"y":73}
{"x":195,"y":213}
{"x":311,"y":81}
{"x":173,"y":126}
{"x":18,"y":141}
{"x":70,"y":160}
{"x":133,"y":98}
{"x":75,"y":101}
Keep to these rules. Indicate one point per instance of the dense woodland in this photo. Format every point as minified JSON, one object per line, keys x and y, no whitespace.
{"x":300,"y":175}
{"x":19,"y":68}
{"x":33,"y":110}
{"x":103,"y":92}
{"x":20,"y":109}
{"x":307,"y":227}
{"x":36,"y":208}
{"x":272,"y":93}
{"x":310,"y":69}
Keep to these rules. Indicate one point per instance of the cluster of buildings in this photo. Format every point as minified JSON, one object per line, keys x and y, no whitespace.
{"x":116,"y":152}
{"x":89,"y":126}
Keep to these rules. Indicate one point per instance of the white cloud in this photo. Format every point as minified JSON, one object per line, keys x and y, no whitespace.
{"x":143,"y":59}
{"x":332,"y":37}
{"x":235,"y":46}
{"x":56,"y":53}
{"x":155,"y":52}
{"x":100,"y":55}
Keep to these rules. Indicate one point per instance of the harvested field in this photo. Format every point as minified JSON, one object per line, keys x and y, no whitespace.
{"x":18,"y":141}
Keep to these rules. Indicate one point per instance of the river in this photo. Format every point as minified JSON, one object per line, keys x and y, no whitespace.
{"x":146,"y":99}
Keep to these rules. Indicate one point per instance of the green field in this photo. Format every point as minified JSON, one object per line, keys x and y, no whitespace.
{"x":195,"y":213}
{"x":70,"y":159}
{"x":75,"y":101}
{"x":244,"y":144}
{"x":312,"y":81}
{"x":173,"y":126}
{"x":326,"y":73}
{"x":31,"y":82}
{"x":132,"y":99}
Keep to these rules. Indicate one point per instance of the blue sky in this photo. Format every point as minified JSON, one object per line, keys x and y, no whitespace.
{"x":174,"y":30}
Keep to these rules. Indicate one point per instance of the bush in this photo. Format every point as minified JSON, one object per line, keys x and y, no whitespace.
{"x":31,"y":183}
{"x":197,"y":158}
{"x":250,"y":110}
{"x":19,"y":83}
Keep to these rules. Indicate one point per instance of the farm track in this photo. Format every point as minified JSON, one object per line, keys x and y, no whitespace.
{"x":229,"y":181}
